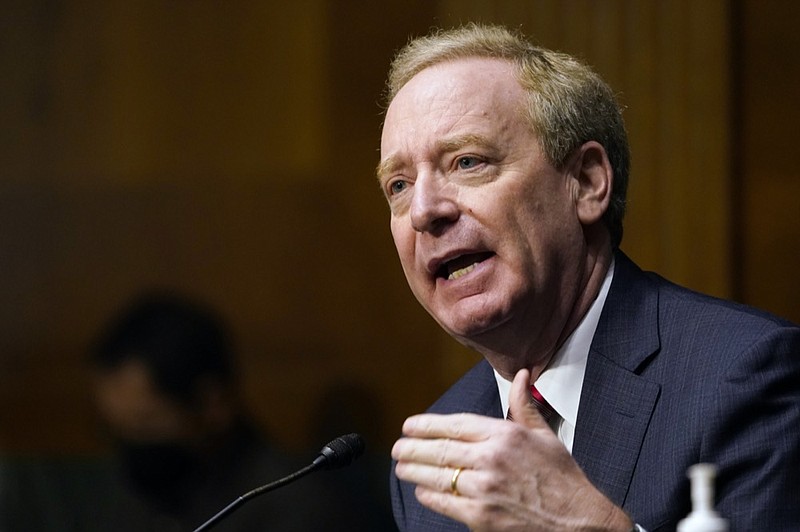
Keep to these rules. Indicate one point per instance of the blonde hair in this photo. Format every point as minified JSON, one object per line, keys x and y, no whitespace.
{"x":568,"y":103}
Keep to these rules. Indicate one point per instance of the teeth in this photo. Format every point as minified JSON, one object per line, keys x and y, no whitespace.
{"x":463,"y":271}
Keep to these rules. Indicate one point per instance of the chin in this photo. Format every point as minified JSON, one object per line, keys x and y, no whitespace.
{"x":470,"y":329}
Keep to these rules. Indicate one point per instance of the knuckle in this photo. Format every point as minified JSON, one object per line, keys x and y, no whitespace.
{"x":488,"y":484}
{"x":486,"y":515}
{"x":429,"y":497}
{"x":495,"y":456}
{"x":444,"y":453}
{"x":458,"y":426}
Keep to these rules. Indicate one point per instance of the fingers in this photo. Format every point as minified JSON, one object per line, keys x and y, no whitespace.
{"x":440,"y":452}
{"x":439,"y":479}
{"x":456,"y":507}
{"x":445,"y":440}
{"x":467,"y":427}
{"x":435,"y":446}
{"x":459,"y":507}
{"x":519,"y":398}
{"x":520,"y":407}
{"x":435,"y":489}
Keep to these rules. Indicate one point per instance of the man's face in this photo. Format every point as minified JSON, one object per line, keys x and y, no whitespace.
{"x":485,"y":227}
{"x":133,"y":409}
{"x":157,"y":438}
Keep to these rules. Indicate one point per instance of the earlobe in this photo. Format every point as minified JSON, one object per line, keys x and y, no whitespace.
{"x":595,"y":178}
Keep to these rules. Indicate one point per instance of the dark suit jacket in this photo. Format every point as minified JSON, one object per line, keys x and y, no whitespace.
{"x":673,"y":378}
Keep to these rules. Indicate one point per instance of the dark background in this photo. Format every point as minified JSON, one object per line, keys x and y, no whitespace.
{"x":227,"y":149}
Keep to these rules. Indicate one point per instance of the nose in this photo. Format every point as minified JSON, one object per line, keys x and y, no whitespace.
{"x":433,"y":205}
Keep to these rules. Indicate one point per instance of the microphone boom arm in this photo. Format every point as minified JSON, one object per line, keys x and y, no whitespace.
{"x":337,"y":453}
{"x":258,"y":491}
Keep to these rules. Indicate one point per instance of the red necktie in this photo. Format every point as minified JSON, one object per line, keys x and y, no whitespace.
{"x":544,"y":408}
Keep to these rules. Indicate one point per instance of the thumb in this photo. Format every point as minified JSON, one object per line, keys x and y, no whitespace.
{"x":520,"y":406}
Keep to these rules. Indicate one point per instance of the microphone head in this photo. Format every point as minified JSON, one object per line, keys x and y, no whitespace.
{"x":341,"y":451}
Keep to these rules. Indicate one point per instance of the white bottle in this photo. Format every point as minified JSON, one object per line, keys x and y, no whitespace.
{"x":702,"y":518}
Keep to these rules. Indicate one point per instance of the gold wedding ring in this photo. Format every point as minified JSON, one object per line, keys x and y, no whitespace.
{"x":454,"y":481}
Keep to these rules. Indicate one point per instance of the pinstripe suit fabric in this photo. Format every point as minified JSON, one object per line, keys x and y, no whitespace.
{"x":673,"y":378}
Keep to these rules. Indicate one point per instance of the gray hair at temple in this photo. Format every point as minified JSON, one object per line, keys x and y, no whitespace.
{"x":568,"y":103}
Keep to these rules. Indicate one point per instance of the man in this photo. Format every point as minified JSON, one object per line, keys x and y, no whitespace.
{"x":167,"y":391}
{"x":505,"y":167}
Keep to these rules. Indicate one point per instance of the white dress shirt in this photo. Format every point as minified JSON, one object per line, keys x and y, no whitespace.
{"x":561,"y":382}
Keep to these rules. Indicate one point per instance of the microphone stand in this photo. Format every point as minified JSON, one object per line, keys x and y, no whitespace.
{"x":337,"y":453}
{"x":258,"y":491}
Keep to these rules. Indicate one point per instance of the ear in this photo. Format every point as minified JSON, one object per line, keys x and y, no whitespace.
{"x":594,"y":181}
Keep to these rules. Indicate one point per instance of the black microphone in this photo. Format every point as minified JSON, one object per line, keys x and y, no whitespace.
{"x":337,"y":453}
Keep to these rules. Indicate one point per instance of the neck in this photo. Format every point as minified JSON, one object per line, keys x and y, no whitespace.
{"x":509,"y":359}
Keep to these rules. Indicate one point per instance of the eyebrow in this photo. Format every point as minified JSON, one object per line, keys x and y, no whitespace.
{"x":391,"y":164}
{"x":387,"y":166}
{"x":458,"y":142}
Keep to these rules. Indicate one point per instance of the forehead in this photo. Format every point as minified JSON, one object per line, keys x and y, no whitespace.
{"x":469,"y":76}
{"x":454,"y":98}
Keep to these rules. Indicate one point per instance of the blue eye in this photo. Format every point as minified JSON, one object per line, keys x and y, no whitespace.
{"x":397,"y":187}
{"x":467,"y":163}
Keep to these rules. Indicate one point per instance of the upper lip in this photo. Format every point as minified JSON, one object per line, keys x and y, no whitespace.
{"x":435,"y":264}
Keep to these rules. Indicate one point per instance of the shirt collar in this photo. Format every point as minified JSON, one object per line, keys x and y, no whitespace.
{"x":562,"y":381}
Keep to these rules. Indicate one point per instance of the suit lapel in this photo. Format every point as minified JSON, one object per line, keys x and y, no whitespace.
{"x":616,"y":403}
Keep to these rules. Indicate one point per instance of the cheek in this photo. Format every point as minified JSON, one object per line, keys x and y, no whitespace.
{"x":405,"y":242}
{"x":403,"y":236}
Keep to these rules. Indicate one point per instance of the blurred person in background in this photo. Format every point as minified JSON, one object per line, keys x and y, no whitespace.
{"x":166,"y":390}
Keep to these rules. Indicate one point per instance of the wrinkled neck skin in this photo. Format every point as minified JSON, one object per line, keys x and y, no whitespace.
{"x":515,"y":352}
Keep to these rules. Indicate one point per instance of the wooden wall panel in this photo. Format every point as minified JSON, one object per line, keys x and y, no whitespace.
{"x":767,"y":207}
{"x":225,"y":149}
{"x":228,"y":149}
{"x":172,"y":144}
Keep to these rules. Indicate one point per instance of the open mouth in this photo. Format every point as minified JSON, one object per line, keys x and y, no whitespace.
{"x":461,"y":265}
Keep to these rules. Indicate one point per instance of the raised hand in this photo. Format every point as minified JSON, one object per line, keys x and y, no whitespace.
{"x":493,"y":474}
